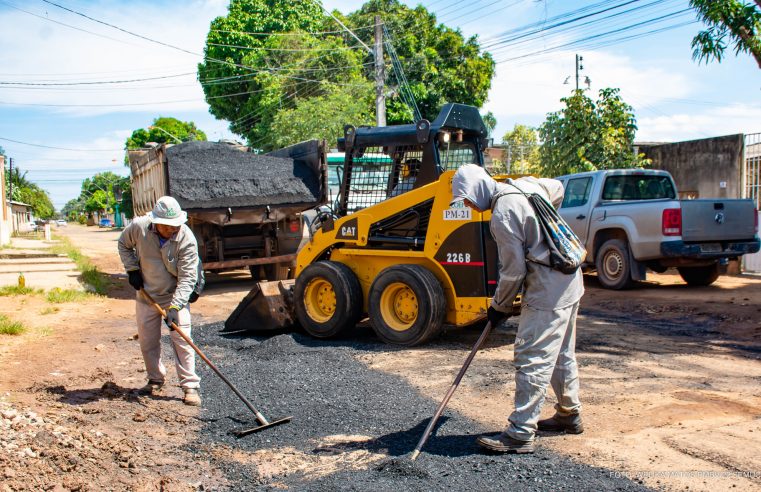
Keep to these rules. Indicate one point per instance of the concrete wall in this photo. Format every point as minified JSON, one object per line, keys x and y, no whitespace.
{"x":706,"y":168}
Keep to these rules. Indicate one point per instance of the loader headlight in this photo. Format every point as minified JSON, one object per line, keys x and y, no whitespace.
{"x":444,"y":137}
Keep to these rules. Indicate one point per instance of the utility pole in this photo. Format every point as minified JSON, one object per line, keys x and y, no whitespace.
{"x":380,"y":75}
{"x":579,"y":66}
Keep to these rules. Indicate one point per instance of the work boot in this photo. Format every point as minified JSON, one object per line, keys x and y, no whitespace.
{"x":152,"y":388}
{"x":502,"y":443}
{"x":192,"y":398}
{"x":570,"y":424}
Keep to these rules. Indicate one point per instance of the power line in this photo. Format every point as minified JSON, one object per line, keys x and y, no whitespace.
{"x":58,"y":148}
{"x":305,"y":33}
{"x":97,"y":82}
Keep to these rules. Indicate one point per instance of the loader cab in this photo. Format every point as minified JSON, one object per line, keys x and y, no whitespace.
{"x":384,"y":162}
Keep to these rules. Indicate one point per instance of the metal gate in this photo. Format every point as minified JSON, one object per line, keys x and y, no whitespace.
{"x":752,"y":189}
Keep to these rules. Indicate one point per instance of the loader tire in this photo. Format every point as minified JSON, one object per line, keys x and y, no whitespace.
{"x":327,"y":298}
{"x":406,"y":305}
{"x":614,"y":269}
{"x":700,"y":276}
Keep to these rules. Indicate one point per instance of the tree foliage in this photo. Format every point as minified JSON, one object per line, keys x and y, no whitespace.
{"x":268,"y":57}
{"x":163,"y":130}
{"x":735,"y":22}
{"x":97,"y":196}
{"x":440,"y":65}
{"x":522,"y":149}
{"x":23,"y":190}
{"x":588,"y":135}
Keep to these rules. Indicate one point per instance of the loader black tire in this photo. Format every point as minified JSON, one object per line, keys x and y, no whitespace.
{"x":700,"y":276}
{"x":614,"y":270}
{"x":406,"y":305}
{"x":327,"y":299}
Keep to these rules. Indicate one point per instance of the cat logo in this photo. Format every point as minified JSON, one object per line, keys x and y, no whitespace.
{"x":348,"y":230}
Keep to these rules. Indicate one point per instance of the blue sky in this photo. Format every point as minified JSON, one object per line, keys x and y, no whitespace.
{"x":673,"y":97}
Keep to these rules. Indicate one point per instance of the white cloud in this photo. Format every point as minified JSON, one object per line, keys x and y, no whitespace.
{"x":35,"y":50}
{"x":707,"y":123}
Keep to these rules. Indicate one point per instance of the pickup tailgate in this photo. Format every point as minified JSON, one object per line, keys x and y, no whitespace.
{"x":717,"y":220}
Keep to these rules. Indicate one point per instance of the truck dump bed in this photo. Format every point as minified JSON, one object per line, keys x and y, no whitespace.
{"x":221,"y":183}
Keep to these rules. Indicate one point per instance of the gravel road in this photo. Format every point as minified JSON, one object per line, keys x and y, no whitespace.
{"x":330,"y":393}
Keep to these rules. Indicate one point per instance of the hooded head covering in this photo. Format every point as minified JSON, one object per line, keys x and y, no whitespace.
{"x":474,"y":183}
{"x":554,"y":189}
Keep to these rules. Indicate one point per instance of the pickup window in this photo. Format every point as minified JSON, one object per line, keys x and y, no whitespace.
{"x":577,"y":192}
{"x":638,"y":187}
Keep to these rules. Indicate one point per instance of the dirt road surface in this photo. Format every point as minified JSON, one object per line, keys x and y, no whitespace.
{"x":671,"y":387}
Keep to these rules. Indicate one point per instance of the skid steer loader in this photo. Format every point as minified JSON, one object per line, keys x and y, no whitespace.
{"x":392,"y":248}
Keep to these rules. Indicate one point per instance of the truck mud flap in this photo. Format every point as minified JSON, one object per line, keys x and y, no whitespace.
{"x":268,"y":306}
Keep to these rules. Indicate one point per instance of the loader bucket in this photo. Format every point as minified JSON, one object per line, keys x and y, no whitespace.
{"x":267,"y":307}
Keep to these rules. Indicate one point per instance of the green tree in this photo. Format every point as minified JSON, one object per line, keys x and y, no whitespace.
{"x":322,"y":117}
{"x":261,"y":59}
{"x":586,"y":136}
{"x":439,"y":63}
{"x":735,"y":22}
{"x":30,"y":193}
{"x":163,"y":130}
{"x":490,"y":121}
{"x":522,"y":149}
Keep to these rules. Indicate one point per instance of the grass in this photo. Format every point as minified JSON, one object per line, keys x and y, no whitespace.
{"x":15,"y":290}
{"x":90,"y":274}
{"x":10,"y":327}
{"x":49,"y":310}
{"x":59,"y":296}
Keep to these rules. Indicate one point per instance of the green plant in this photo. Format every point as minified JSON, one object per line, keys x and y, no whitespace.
{"x":10,"y":327}
{"x":49,"y":310}
{"x":58,"y":296}
{"x":15,"y":290}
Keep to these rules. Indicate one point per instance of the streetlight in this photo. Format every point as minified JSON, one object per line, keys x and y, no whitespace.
{"x":152,"y":127}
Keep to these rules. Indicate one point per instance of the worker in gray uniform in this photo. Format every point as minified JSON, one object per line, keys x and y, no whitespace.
{"x":160,"y":255}
{"x":546,"y":338}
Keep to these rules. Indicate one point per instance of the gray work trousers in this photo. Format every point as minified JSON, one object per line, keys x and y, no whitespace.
{"x":545,"y":354}
{"x":149,"y":324}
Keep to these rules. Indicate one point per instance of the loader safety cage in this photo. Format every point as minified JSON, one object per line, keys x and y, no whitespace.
{"x":383,"y":162}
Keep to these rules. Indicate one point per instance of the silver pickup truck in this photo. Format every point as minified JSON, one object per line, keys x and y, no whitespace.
{"x":631,"y":219}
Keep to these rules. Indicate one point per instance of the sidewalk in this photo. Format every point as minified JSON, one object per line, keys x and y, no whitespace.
{"x":41,"y":268}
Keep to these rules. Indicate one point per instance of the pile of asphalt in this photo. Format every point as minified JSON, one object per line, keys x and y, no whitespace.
{"x":205,"y":175}
{"x":329,"y":392}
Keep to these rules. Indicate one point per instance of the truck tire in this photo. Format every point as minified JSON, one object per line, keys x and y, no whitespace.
{"x":613,"y":266}
{"x":277,"y":271}
{"x":327,"y":298}
{"x":700,"y":276}
{"x":406,"y":305}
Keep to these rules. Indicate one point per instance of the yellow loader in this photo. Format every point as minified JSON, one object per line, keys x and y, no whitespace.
{"x":391,"y":248}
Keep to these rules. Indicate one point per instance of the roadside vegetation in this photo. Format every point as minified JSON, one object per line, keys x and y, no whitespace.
{"x":90,"y":275}
{"x":10,"y":327}
{"x":59,"y":296}
{"x":15,"y":290}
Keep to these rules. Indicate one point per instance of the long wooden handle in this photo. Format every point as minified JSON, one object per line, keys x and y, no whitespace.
{"x":451,"y":391}
{"x":176,"y":328}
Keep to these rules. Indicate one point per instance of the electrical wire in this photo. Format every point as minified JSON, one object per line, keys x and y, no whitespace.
{"x":57,"y":148}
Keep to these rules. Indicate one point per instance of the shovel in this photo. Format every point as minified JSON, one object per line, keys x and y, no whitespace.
{"x":263,"y":422}
{"x":451,"y":391}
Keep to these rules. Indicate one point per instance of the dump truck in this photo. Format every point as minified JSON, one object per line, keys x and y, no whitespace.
{"x":245,"y":209}
{"x":391,"y":248}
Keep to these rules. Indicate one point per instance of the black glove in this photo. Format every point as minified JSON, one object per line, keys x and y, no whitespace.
{"x":193,"y":297}
{"x":135,"y":279}
{"x":495,"y":317}
{"x":172,"y":316}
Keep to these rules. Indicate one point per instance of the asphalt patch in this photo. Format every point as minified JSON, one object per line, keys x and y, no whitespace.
{"x":333,"y":396}
{"x":208,"y":175}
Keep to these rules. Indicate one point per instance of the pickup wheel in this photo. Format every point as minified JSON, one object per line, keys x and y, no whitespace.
{"x":406,"y":305}
{"x":613,"y":267}
{"x":327,"y":298}
{"x":700,"y":276}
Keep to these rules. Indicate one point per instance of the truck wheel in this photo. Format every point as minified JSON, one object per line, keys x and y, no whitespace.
{"x":327,"y":299}
{"x":406,"y":305}
{"x":613,"y":267}
{"x":276,"y":271}
{"x":700,"y":276}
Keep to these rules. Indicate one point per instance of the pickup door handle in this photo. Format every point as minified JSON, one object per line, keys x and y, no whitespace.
{"x":581,"y":216}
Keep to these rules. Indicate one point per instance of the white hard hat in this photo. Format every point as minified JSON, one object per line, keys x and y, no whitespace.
{"x":168,"y":212}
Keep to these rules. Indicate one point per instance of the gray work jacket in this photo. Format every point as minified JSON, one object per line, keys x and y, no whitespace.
{"x":170,"y":272}
{"x":521,"y":245}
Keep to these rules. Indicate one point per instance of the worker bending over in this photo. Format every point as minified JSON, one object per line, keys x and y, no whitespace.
{"x":160,"y":255}
{"x":546,"y":338}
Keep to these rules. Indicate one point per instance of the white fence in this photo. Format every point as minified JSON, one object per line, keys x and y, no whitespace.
{"x":752,"y":189}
